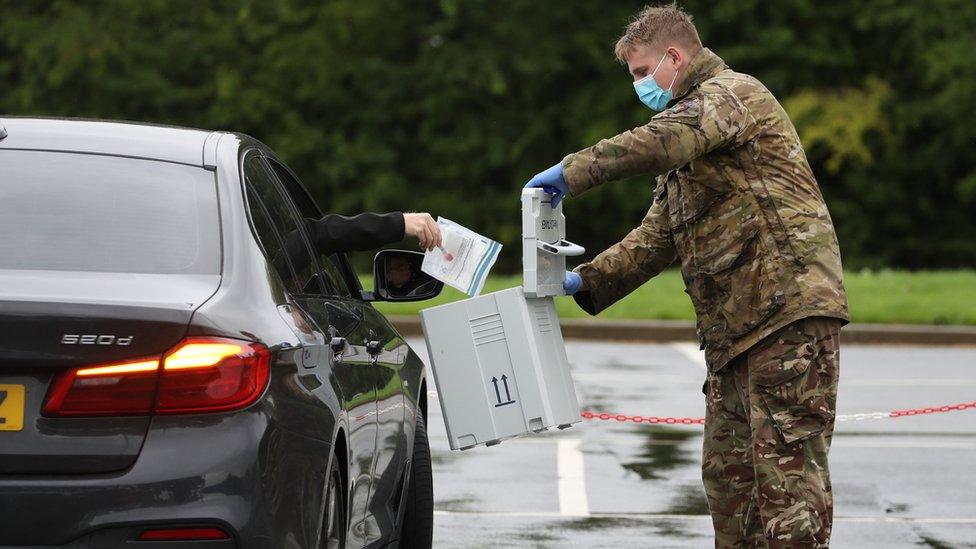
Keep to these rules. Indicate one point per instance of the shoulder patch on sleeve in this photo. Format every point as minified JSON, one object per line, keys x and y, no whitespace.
{"x":687,"y":110}
{"x":686,"y":105}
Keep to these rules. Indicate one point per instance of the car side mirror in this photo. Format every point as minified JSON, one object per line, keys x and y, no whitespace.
{"x":397,"y":277}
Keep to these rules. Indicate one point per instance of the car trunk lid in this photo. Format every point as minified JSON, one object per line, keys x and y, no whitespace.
{"x":52,"y":321}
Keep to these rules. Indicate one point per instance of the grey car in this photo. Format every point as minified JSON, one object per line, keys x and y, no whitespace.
{"x":172,"y":374}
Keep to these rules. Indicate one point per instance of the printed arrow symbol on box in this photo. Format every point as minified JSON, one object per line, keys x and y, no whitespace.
{"x":508,"y":395}
{"x":498,"y":394}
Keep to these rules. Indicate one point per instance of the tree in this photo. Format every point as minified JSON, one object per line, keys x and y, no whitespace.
{"x":450,"y":106}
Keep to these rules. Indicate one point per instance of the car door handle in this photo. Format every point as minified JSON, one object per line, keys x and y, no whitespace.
{"x":308,"y":358}
{"x":374,"y":347}
{"x":338,"y":346}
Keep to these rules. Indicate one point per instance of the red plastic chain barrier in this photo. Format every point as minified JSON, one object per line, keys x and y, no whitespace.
{"x":603,"y":416}
{"x":642,"y":419}
{"x":935,"y":410}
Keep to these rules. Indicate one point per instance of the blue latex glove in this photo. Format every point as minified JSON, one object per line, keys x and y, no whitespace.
{"x":551,"y":181}
{"x":572,"y":282}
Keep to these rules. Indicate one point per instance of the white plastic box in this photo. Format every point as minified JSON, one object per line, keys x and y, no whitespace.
{"x":500,"y":367}
{"x":499,"y":361}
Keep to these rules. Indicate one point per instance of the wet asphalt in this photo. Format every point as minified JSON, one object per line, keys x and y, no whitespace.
{"x":905,"y":482}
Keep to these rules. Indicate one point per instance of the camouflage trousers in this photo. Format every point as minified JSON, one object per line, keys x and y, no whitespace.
{"x":768,"y":424}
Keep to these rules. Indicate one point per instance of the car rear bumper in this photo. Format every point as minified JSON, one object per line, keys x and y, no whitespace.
{"x":233,"y":471}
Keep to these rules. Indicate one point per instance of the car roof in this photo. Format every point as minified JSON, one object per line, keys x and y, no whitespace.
{"x":111,"y":137}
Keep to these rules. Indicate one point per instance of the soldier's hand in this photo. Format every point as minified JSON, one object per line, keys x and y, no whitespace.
{"x":422,"y":226}
{"x":551,"y":181}
{"x":572,"y":282}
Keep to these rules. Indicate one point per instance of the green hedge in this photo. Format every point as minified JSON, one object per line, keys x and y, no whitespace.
{"x":450,"y":106}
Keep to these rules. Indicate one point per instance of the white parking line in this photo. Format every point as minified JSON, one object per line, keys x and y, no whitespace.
{"x":572,"y":479}
{"x":692,"y":353}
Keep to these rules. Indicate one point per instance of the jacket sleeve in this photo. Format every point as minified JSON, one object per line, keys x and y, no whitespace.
{"x":620,"y":269}
{"x":691,"y":128}
{"x":367,"y":231}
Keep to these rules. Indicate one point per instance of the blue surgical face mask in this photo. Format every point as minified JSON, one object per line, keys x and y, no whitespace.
{"x":650,"y":93}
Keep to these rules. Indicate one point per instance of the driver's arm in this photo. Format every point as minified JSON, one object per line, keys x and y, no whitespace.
{"x":359,"y":233}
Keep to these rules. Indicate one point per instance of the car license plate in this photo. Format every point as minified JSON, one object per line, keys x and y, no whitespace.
{"x":11,"y":407}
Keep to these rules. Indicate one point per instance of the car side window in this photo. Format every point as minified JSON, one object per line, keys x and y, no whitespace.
{"x":284,"y":243}
{"x":330,"y":264}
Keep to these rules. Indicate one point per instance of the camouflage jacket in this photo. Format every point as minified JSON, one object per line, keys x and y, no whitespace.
{"x":736,"y":202}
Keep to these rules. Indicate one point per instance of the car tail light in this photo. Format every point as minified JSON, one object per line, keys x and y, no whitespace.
{"x":182,"y":534}
{"x":212,"y":374}
{"x":126,"y":388}
{"x":200,"y":374}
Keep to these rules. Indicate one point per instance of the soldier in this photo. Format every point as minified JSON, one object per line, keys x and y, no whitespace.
{"x":737,"y":203}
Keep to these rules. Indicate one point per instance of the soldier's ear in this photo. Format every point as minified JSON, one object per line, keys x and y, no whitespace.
{"x":676,"y":56}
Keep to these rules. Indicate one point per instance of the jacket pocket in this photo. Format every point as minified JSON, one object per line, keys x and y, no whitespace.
{"x":687,"y":200}
{"x":799,"y":398}
{"x":740,"y":280}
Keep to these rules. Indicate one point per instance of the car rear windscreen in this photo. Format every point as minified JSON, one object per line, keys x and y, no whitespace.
{"x":83,"y":212}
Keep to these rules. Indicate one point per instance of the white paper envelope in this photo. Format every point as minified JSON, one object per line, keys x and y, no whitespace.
{"x":464,"y":259}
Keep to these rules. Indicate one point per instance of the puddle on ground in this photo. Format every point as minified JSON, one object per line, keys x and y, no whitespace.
{"x":596,"y":523}
{"x":593,"y":403}
{"x":440,"y":459}
{"x":623,"y":366}
{"x":664,"y":450}
{"x":456,"y":504}
{"x":676,"y":529}
{"x":690,"y":500}
{"x":662,"y":527}
{"x":537,"y":538}
{"x":927,"y":541}
{"x":897,"y":508}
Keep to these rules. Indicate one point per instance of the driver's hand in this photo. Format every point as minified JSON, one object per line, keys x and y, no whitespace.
{"x":423,"y":226}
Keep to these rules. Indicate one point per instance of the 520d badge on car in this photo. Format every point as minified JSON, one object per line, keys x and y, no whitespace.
{"x":94,"y":339}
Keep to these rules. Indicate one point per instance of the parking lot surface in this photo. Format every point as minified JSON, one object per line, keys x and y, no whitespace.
{"x":904,"y":482}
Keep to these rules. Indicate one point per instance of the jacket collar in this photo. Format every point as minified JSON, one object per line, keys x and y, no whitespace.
{"x":703,"y":65}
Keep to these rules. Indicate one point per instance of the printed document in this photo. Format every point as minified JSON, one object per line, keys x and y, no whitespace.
{"x":464,"y":258}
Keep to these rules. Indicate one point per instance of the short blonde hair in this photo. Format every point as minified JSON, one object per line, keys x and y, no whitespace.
{"x":658,"y":27}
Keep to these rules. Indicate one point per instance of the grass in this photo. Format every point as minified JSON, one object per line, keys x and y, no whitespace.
{"x":886,"y":297}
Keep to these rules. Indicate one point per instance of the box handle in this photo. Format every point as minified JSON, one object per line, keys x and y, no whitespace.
{"x":563,"y":247}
